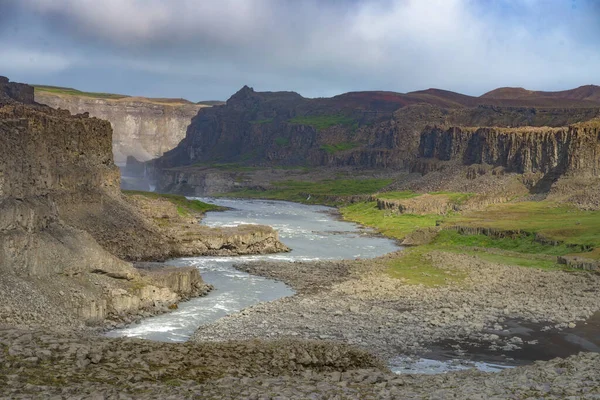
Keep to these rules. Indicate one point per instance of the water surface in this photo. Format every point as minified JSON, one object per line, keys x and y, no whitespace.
{"x":312,"y":232}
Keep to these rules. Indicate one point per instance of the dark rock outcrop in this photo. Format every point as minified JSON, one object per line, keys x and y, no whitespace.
{"x":363,"y":130}
{"x":15,"y":92}
{"x":555,"y":151}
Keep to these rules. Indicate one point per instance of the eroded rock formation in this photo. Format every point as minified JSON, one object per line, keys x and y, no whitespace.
{"x":573,"y":149}
{"x":143,"y":128}
{"x":378,"y":130}
{"x":66,"y":229}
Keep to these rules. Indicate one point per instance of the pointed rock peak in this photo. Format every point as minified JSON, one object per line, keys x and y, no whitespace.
{"x":3,"y":79}
{"x":244,"y":93}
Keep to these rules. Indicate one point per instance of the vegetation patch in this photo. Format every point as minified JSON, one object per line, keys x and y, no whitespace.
{"x":261,"y":121}
{"x":75,"y":92}
{"x":185,"y":206}
{"x":524,"y":244}
{"x":414,"y":267}
{"x":282,"y":141}
{"x":407,"y":194}
{"x":321,"y":192}
{"x":523,"y":251}
{"x":455,"y":197}
{"x":396,"y":226}
{"x":561,"y":223}
{"x":513,"y":259}
{"x":335,"y":148}
{"x":322,"y":122}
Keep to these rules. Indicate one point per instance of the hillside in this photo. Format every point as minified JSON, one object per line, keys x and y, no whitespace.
{"x":371,"y":130}
{"x":587,"y":93}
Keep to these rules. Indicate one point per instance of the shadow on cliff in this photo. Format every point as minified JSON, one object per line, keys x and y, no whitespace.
{"x":543,"y":186}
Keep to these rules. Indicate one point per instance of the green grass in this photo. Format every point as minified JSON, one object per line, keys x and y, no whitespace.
{"x":319,"y":192}
{"x":75,"y":92}
{"x":282,"y":141}
{"x":407,"y":194}
{"x":522,"y":251}
{"x":527,"y":262}
{"x":561,"y":223}
{"x":185,"y":207}
{"x":334,"y":148}
{"x":261,"y":121}
{"x":455,"y":197}
{"x":392,"y":225}
{"x":525,"y":244}
{"x":234,"y":167}
{"x":415,"y":268}
{"x":556,"y":222}
{"x":322,"y":122}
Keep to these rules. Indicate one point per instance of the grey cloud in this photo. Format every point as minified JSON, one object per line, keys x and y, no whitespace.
{"x":320,"y":47}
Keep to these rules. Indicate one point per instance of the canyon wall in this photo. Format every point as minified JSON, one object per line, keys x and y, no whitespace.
{"x":365,"y":130}
{"x":66,"y":229}
{"x":574,"y":149}
{"x":51,"y":270}
{"x":143,"y":128}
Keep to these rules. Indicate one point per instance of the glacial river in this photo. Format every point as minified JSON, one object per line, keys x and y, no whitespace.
{"x":312,"y":232}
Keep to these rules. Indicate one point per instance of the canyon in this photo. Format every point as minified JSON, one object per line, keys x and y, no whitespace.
{"x":143,"y":128}
{"x":548,"y":135}
{"x":68,"y":234}
{"x":78,"y":252}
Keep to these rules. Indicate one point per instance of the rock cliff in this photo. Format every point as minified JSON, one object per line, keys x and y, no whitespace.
{"x":567,"y":150}
{"x":65,"y":227}
{"x":143,"y":128}
{"x":364,"y":130}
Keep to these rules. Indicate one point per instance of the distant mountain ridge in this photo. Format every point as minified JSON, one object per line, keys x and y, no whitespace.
{"x":371,"y":129}
{"x":583,"y":93}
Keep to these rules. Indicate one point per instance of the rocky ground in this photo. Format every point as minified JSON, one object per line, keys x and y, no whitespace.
{"x":357,"y":303}
{"x":36,"y":364}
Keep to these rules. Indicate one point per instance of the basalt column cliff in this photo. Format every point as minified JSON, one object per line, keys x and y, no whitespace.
{"x":418,"y":132}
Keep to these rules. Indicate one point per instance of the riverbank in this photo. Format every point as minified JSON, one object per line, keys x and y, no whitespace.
{"x":300,"y":227}
{"x":367,"y":304}
{"x":177,"y":221}
{"x":36,"y":364}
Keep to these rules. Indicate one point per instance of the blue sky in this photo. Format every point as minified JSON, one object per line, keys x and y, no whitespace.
{"x":208,"y":49}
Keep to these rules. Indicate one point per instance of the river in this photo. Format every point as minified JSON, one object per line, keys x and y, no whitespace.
{"x":315,"y":233}
{"x":312,"y":232}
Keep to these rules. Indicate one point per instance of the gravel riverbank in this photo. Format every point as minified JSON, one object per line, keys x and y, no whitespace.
{"x":355,"y":302}
{"x":36,"y":364}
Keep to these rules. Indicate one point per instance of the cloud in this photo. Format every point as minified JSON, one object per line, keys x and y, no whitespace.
{"x":17,"y":61}
{"x":326,"y":46}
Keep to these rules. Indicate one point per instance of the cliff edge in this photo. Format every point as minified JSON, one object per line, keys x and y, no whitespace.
{"x":143,"y":128}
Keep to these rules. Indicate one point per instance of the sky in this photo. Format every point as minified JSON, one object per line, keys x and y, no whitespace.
{"x":209,"y":49}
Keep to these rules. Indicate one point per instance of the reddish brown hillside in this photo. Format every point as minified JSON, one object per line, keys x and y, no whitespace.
{"x":393,"y":100}
{"x":588,"y":93}
{"x":585,"y":96}
{"x":438,"y":95}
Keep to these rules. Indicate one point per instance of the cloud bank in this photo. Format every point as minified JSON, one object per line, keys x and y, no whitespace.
{"x":208,"y":49}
